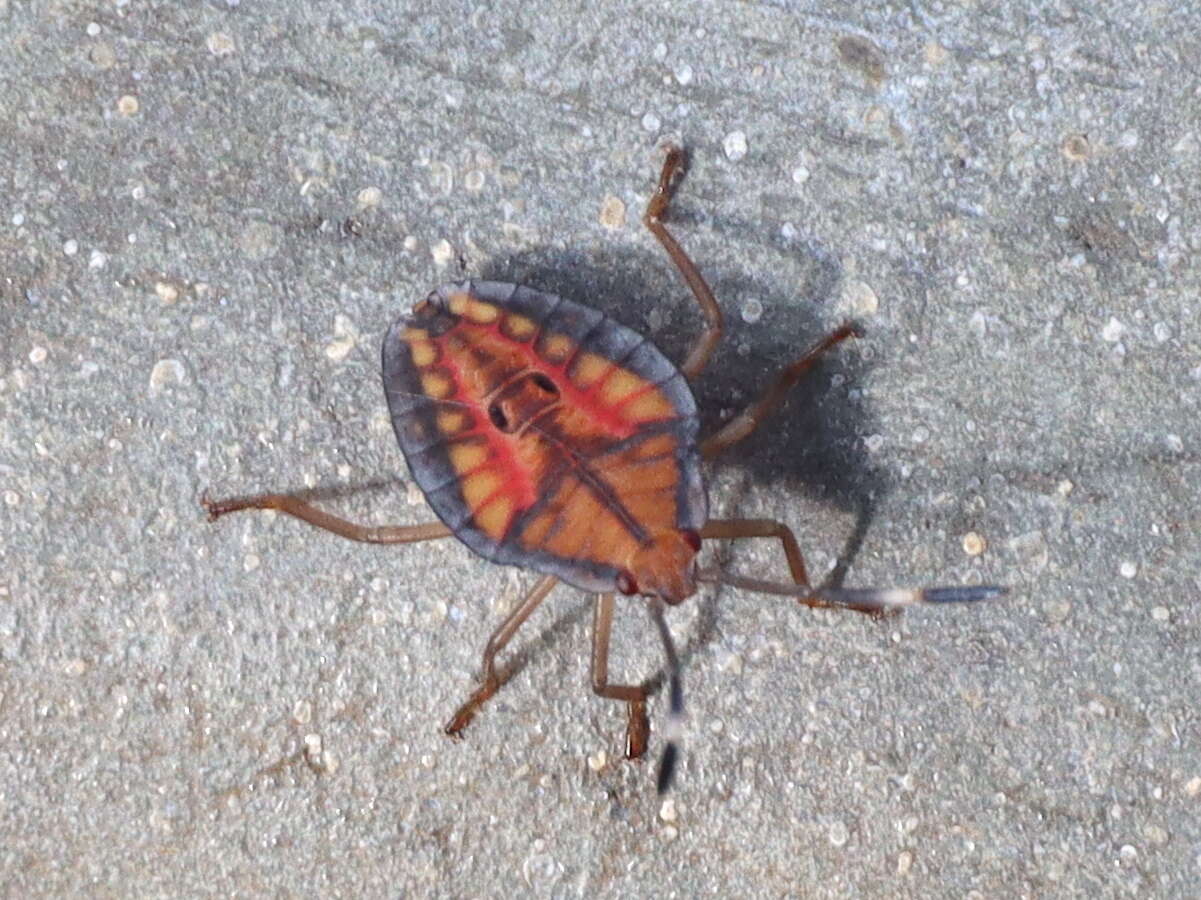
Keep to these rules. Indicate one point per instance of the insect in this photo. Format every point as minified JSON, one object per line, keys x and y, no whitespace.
{"x":547,"y":436}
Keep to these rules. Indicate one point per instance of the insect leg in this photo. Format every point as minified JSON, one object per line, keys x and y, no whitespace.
{"x":768,"y":528}
{"x":492,"y":681}
{"x":638,"y":727}
{"x":750,"y":418}
{"x":294,"y":506}
{"x":673,"y":166}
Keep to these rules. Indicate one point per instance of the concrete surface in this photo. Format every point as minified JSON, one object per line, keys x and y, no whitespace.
{"x":211,"y":211}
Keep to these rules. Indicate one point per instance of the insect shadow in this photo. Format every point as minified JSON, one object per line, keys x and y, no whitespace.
{"x":811,"y":445}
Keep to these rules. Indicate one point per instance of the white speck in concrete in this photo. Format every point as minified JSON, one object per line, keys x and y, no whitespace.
{"x":442,"y":253}
{"x":369,"y":198}
{"x":904,"y":862}
{"x":752,"y":310}
{"x":220,"y":44}
{"x":651,"y":122}
{"x":70,"y":248}
{"x":1031,"y":550}
{"x":128,"y":105}
{"x":474,"y":180}
{"x":97,"y":260}
{"x":735,"y":145}
{"x":874,"y":443}
{"x":859,"y":299}
{"x":102,"y":56}
{"x":165,"y":374}
{"x":250,"y":562}
{"x":93,"y":29}
{"x":37,"y":355}
{"x":800,"y":175}
{"x":683,"y":74}
{"x":973,"y":544}
{"x":345,"y":338}
{"x":1112,"y":332}
{"x":1160,"y":613}
{"x":612,"y":212}
{"x":1128,"y":569}
{"x":1174,"y":442}
{"x":167,"y":292}
{"x":838,"y":834}
{"x":660,"y":51}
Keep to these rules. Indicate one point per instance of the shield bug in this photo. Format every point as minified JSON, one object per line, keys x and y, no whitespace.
{"x":547,"y":436}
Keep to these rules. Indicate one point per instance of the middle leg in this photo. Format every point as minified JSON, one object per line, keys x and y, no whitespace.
{"x":638,"y":725}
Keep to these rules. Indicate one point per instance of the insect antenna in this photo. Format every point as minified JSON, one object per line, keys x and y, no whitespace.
{"x":674,"y":732}
{"x":868,"y":600}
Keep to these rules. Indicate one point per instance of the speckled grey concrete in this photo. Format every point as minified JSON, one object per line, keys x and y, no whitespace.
{"x":210,"y":213}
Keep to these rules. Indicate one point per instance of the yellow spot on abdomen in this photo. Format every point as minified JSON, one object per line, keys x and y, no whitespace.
{"x":479,"y":487}
{"x":458,"y":303}
{"x":424,"y":353}
{"x":465,"y":457}
{"x":494,"y":518}
{"x":620,"y":385}
{"x":650,"y":406}
{"x":588,"y":369}
{"x":557,"y":348}
{"x":656,"y":446}
{"x":519,"y":328}
{"x":452,"y":422}
{"x":435,"y":385}
{"x":481,"y":312}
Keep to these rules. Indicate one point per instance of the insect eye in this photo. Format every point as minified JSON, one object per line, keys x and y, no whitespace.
{"x":626,"y":583}
{"x":692,"y":539}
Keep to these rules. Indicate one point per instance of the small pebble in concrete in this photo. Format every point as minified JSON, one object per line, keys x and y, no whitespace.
{"x":220,"y":44}
{"x":167,"y":372}
{"x":1112,"y":332}
{"x":369,"y":198}
{"x":735,"y":145}
{"x":973,"y":544}
{"x":612,"y":212}
{"x":838,"y":834}
{"x":443,"y":253}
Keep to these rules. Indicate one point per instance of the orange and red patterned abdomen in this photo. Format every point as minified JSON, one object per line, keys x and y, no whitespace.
{"x":545,"y":434}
